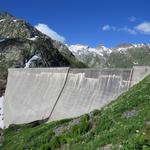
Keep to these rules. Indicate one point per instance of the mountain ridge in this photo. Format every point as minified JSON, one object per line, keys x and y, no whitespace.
{"x":102,"y":56}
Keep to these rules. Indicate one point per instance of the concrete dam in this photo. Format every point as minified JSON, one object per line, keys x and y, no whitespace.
{"x":57,"y":93}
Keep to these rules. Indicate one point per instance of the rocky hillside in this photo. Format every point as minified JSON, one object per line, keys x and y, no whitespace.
{"x":122,"y":56}
{"x":122,"y":125}
{"x":21,"y":45}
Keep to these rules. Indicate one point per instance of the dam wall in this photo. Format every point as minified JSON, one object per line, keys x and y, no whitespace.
{"x":31,"y":93}
{"x":90,"y":89}
{"x":57,"y":93}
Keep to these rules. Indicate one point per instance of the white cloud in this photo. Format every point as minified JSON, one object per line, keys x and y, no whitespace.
{"x":106,"y":27}
{"x":143,"y":27}
{"x":125,"y":29}
{"x":132,"y":19}
{"x":113,"y":28}
{"x":49,"y":32}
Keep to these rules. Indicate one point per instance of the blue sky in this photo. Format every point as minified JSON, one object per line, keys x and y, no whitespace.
{"x":91,"y":22}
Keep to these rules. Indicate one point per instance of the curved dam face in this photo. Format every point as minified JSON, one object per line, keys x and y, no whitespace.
{"x":90,"y":89}
{"x":58,"y":93}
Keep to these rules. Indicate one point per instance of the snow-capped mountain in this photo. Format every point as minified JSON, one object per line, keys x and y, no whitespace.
{"x":80,"y":49}
{"x":124,"y":55}
{"x":124,"y":47}
{"x":94,"y":57}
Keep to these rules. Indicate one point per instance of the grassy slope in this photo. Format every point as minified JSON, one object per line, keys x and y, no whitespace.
{"x":124,"y":123}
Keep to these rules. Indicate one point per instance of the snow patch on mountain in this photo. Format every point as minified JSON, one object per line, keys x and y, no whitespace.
{"x":2,"y":20}
{"x":34,"y":58}
{"x":33,"y":38}
{"x":124,"y":48}
{"x":80,"y":49}
{"x":15,"y":20}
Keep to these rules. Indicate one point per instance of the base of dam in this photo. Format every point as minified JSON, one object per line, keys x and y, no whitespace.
{"x":57,"y":93}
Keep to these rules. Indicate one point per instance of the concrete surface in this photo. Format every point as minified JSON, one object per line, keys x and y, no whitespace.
{"x":32,"y":93}
{"x":90,"y":89}
{"x":57,"y":93}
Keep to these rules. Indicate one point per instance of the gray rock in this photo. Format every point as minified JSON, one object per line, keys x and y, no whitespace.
{"x":107,"y":147}
{"x":130,"y":114}
{"x":147,"y":122}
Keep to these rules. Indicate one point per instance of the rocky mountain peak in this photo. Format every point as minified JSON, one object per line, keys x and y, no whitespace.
{"x":124,"y":45}
{"x":6,"y":15}
{"x":21,"y":43}
{"x":11,"y":27}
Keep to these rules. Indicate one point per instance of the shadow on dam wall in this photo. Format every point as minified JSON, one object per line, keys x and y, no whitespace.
{"x":57,"y":93}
